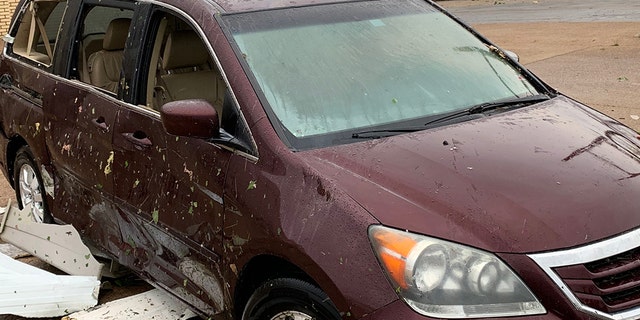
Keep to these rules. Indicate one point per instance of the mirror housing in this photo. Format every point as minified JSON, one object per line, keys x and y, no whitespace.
{"x":194,"y":118}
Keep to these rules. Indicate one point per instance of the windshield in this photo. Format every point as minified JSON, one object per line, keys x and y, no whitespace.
{"x":326,"y":71}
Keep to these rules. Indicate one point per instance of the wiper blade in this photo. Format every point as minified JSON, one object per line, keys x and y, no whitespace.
{"x":477,"y":109}
{"x":512,"y":102}
{"x":377,"y":134}
{"x":487,"y":106}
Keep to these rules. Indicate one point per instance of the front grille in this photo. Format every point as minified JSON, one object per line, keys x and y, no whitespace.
{"x":601,"y":279}
{"x":611,"y":284}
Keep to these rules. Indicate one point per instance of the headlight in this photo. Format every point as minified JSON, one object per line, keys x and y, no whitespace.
{"x":446,"y":280}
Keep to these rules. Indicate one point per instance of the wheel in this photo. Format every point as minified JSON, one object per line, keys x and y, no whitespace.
{"x":29,"y":187}
{"x":289,"y":299}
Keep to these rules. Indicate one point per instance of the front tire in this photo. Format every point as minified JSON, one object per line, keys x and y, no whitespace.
{"x":289,"y":299}
{"x":29,"y":188}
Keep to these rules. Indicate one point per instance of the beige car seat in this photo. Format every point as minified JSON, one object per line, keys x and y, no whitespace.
{"x":187,"y":73}
{"x":105,"y":65}
{"x":89,"y":45}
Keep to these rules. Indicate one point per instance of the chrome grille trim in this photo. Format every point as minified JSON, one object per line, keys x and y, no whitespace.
{"x":585,"y":254}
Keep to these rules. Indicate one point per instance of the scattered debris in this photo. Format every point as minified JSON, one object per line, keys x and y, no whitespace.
{"x":58,"y":245}
{"x":107,"y":168}
{"x":153,"y":304}
{"x":13,"y":251}
{"x":635,"y":117}
{"x":155,"y":215}
{"x":31,"y":292}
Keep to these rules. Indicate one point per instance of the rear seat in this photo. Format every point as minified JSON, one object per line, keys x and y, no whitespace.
{"x":90,"y":45}
{"x":105,"y":65}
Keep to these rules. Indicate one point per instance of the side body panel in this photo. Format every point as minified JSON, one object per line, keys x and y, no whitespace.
{"x":80,"y":122}
{"x":168,"y":192}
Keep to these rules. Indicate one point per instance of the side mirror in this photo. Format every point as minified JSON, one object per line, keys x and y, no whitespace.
{"x":190,"y":118}
{"x":514,"y":56}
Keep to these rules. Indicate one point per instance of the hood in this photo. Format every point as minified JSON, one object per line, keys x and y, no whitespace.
{"x":553,"y":175}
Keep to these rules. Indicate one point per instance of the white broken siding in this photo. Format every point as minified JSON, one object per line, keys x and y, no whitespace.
{"x":31,"y":292}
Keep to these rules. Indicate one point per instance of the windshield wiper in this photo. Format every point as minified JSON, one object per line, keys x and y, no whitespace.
{"x":377,"y":134}
{"x":488,"y":106}
{"x":511,"y":102}
{"x":477,"y":109}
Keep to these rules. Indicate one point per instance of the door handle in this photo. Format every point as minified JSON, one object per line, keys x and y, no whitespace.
{"x":6,"y":81}
{"x":139,"y":139}
{"x":100,"y":123}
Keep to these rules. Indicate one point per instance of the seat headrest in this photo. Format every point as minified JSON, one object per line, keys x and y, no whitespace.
{"x":184,"y":49}
{"x":116,"y":35}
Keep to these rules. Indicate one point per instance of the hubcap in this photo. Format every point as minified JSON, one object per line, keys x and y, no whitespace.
{"x":292,"y":315}
{"x":30,"y":194}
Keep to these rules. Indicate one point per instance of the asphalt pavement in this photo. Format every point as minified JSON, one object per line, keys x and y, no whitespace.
{"x":548,"y":11}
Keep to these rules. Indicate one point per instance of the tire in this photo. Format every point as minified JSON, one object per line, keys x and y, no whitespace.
{"x":289,"y":299}
{"x":28,"y":185}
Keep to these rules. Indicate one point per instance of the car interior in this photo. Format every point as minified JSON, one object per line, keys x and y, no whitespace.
{"x":38,"y":30}
{"x":100,"y":53}
{"x":178,"y":73}
{"x":104,"y":66}
{"x":180,"y":66}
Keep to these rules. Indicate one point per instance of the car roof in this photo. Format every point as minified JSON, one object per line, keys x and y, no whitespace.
{"x":257,"y":5}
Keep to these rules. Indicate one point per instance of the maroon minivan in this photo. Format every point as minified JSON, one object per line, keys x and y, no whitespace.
{"x":319,"y":159}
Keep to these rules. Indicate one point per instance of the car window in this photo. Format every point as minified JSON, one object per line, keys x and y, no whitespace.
{"x":337,"y":69}
{"x":179,"y":74}
{"x":38,"y":30}
{"x":100,"y":47}
{"x":175,"y":73}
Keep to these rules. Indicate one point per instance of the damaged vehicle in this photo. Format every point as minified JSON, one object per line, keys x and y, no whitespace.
{"x":319,"y":159}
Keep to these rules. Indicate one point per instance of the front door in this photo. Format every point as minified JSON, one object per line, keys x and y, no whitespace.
{"x":169,"y":189}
